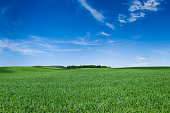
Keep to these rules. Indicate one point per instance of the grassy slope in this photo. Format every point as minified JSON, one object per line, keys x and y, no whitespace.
{"x":29,"y":89}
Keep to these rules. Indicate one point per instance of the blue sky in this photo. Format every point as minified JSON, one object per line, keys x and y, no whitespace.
{"x":117,"y":33}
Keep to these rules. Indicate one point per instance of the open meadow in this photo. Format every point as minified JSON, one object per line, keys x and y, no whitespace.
{"x":31,"y":89}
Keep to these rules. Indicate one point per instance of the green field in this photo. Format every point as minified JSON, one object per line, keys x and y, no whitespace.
{"x":31,"y":89}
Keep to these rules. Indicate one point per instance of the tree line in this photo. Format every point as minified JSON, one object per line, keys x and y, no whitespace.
{"x":74,"y":66}
{"x":86,"y":66}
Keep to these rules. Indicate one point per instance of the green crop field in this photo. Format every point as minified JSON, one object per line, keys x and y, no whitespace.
{"x":31,"y":89}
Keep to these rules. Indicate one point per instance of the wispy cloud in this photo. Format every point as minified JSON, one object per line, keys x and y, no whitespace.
{"x":165,"y":51}
{"x":140,"y":64}
{"x":104,"y":34}
{"x":141,"y":58}
{"x":138,"y":9}
{"x":97,"y":15}
{"x":136,"y":37}
{"x":112,"y":41}
{"x":1,"y":51}
{"x":110,"y":26}
{"x":35,"y":46}
{"x":81,"y":41}
{"x":18,"y":46}
{"x":140,"y":61}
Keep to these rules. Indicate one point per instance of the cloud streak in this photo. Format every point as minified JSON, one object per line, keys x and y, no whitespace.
{"x":140,"y":61}
{"x":97,"y":15}
{"x":140,"y":64}
{"x":36,"y":45}
{"x":141,"y":58}
{"x":18,"y":46}
{"x":81,"y":41}
{"x":31,"y":47}
{"x":104,"y":34}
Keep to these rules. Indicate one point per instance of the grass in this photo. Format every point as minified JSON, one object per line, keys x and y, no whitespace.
{"x":31,"y":89}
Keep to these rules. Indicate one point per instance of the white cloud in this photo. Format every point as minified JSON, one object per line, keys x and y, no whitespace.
{"x":135,"y":5}
{"x":165,"y":51}
{"x":151,"y":5}
{"x":31,"y":47}
{"x":134,"y":16}
{"x":1,"y":51}
{"x":111,"y":41}
{"x":81,"y":41}
{"x":140,"y":64}
{"x":97,"y":15}
{"x":140,"y":61}
{"x":138,"y":9}
{"x":18,"y":46}
{"x":136,"y":37}
{"x":84,"y":43}
{"x":35,"y":45}
{"x":141,"y":58}
{"x":110,"y":26}
{"x":103,"y":33}
{"x":121,"y":18}
{"x":67,"y":50}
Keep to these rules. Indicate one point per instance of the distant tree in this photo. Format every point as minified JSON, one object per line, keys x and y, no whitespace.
{"x":86,"y":66}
